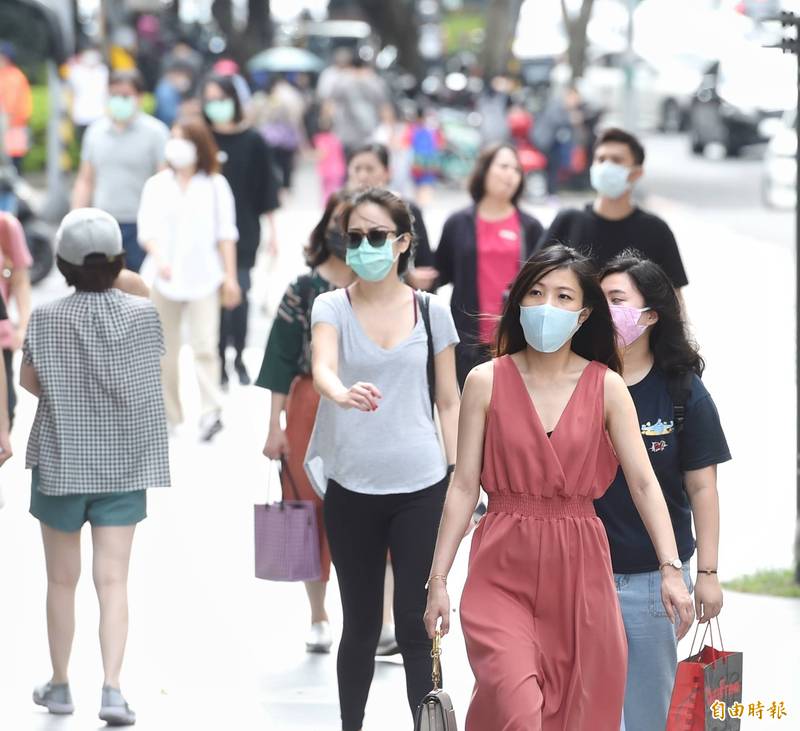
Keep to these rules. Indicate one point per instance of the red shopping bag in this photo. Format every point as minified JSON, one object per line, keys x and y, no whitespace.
{"x":703,"y":679}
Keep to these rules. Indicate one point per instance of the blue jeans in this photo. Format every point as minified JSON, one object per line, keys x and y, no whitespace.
{"x":134,"y":254}
{"x":652,"y":650}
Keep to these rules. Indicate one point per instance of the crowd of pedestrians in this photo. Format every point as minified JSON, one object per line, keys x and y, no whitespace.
{"x":560,"y":381}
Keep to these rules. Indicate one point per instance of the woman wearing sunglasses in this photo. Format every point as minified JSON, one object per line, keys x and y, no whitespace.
{"x":286,"y":372}
{"x":375,"y":451}
{"x":681,"y":431}
{"x":543,"y":429}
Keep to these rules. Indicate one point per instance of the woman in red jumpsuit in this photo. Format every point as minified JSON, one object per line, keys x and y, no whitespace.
{"x":542,"y":429}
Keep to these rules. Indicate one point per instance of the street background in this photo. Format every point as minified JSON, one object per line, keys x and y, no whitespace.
{"x":212,"y":647}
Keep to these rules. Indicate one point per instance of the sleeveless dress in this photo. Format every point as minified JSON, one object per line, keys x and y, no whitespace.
{"x":539,"y":611}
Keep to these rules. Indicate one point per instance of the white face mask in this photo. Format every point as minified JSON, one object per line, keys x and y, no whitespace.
{"x":180,"y":153}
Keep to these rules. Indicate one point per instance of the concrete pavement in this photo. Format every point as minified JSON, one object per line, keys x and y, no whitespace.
{"x":211,"y":647}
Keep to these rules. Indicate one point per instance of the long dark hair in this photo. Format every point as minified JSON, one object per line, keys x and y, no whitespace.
{"x":595,"y":339}
{"x":229,"y":90}
{"x":316,"y":251}
{"x":674,"y":352}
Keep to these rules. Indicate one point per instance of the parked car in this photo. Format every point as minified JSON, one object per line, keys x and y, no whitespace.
{"x":736,"y":95}
{"x":779,"y":178}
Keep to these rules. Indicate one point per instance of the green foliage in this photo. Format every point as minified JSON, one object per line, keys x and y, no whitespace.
{"x":461,"y":29}
{"x":771,"y":583}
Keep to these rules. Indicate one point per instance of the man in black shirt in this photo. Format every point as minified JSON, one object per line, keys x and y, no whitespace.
{"x":613,"y":223}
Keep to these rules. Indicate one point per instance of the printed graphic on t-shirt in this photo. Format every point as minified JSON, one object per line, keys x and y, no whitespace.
{"x":659,"y":429}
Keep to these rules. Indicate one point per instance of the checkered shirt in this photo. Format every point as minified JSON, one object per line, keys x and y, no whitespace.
{"x":100,"y":424}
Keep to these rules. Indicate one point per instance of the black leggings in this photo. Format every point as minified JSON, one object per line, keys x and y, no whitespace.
{"x":233,"y":323}
{"x":361,"y":528}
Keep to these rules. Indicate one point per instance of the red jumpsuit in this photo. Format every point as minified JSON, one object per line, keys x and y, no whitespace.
{"x":539,"y":611}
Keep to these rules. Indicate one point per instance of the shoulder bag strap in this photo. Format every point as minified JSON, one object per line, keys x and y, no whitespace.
{"x":423,"y":299}
{"x":680,"y":389}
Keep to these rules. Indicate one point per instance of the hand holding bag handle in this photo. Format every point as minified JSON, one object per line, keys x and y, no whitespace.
{"x":435,"y":712}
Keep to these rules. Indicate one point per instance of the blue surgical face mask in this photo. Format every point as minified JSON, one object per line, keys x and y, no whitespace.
{"x":220,"y":111}
{"x":372,"y":263}
{"x":610,"y":179}
{"x":121,"y":108}
{"x":547,"y":328}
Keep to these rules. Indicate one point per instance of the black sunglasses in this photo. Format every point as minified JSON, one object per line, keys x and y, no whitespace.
{"x":376,"y":236}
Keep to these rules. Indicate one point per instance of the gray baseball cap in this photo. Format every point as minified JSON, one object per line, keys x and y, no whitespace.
{"x":87,"y":231}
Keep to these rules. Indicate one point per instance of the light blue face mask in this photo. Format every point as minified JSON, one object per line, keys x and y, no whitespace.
{"x":610,"y":179}
{"x":121,"y":108}
{"x":547,"y":328}
{"x":372,"y":263}
{"x":220,"y":111}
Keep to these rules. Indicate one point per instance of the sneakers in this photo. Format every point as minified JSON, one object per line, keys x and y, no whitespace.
{"x":241,"y":371}
{"x":318,"y":639}
{"x":114,"y":710}
{"x":56,"y":698}
{"x":210,"y":426}
{"x":387,"y":643}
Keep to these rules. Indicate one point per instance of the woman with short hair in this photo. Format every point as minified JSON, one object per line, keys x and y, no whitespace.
{"x":98,"y":442}
{"x":482,"y":249}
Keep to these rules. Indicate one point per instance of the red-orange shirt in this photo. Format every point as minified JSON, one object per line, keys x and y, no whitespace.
{"x":499,"y":248}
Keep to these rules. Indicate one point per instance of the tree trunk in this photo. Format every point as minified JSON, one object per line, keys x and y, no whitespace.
{"x":222,"y":12}
{"x":501,"y":25}
{"x":395,"y":22}
{"x":576,"y":33}
{"x":254,"y":37}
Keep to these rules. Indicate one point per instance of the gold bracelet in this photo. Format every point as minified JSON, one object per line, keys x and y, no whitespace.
{"x":441,"y":577}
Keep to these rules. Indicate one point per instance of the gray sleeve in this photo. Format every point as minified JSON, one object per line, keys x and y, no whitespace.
{"x":443,"y":328}
{"x":326,"y":309}
{"x":87,"y":148}
{"x":159,"y":142}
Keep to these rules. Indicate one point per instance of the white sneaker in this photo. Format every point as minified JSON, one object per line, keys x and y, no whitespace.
{"x":387,"y":642}
{"x":319,"y":638}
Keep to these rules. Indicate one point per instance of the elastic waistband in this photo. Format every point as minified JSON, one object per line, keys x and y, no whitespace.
{"x":534,"y":506}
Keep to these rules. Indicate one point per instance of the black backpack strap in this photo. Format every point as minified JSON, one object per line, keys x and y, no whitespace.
{"x":424,"y":301}
{"x":680,"y":389}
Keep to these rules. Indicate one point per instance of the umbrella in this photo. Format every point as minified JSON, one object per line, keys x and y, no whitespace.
{"x":286,"y":58}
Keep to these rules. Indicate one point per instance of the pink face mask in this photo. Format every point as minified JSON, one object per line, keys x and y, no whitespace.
{"x":626,"y":321}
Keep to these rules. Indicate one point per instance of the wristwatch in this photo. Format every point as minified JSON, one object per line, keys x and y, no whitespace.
{"x":675,"y":563}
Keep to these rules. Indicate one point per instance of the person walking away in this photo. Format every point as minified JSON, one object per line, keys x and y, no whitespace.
{"x":16,"y":105}
{"x":613,"y":222}
{"x":247,"y":164}
{"x":119,"y":153}
{"x":482,"y":249}
{"x":187,"y":225}
{"x":87,"y":78}
{"x":331,"y":163}
{"x":541,"y":429}
{"x":15,"y":284}
{"x":278,"y":115}
{"x":681,"y":431}
{"x":375,"y":452}
{"x":98,"y":442}
{"x":286,"y":372}
{"x":368,"y":167}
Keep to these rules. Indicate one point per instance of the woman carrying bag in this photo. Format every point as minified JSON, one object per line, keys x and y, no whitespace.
{"x":542,"y":428}
{"x":375,"y":450}
{"x":681,"y":431}
{"x":286,"y":372}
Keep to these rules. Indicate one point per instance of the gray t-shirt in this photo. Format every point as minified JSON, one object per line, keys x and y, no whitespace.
{"x":123,"y":159}
{"x":396,"y":448}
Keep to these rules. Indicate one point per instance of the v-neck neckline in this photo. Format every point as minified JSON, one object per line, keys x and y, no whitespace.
{"x":366,"y":335}
{"x":537,"y":418}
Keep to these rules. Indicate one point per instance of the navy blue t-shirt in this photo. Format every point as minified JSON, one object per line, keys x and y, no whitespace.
{"x":700,"y":444}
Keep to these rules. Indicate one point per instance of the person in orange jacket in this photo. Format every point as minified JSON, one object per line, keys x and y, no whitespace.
{"x":16,"y":104}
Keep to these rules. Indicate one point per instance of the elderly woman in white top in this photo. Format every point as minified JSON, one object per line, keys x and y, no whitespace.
{"x":187,"y":226}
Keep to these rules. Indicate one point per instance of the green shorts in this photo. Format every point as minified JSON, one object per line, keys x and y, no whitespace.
{"x":68,"y":513}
